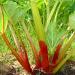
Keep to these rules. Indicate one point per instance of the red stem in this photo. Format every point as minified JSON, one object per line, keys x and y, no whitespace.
{"x":14,"y":52}
{"x":56,"y":54}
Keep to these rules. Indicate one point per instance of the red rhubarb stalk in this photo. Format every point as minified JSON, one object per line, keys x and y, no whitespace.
{"x":44,"y":55}
{"x":25,"y":61}
{"x":56,"y":54}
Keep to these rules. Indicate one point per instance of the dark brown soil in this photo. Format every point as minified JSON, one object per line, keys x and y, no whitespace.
{"x":68,"y":69}
{"x":37,"y":72}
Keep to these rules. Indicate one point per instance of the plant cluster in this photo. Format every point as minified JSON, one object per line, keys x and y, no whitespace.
{"x":52,"y":53}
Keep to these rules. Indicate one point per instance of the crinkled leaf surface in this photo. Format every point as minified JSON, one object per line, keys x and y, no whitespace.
{"x":10,"y":7}
{"x":15,"y":11}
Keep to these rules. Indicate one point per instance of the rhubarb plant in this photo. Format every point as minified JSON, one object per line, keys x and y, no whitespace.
{"x":46,"y":63}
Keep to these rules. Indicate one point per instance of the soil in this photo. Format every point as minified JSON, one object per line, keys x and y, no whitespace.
{"x":9,"y":59}
{"x":10,"y":66}
{"x":68,"y":69}
{"x":37,"y":72}
{"x":7,"y":70}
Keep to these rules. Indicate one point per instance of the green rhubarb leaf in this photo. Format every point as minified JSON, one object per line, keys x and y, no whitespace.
{"x":37,"y":21}
{"x":3,"y":21}
{"x":16,"y":13}
{"x":10,"y":8}
{"x":72,"y":20}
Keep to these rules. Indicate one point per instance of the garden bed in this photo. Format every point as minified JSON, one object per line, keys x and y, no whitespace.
{"x":68,"y":68}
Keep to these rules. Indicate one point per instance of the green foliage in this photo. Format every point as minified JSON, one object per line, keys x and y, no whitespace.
{"x":73,"y":51}
{"x":50,"y":21}
{"x":15,"y":13}
{"x":3,"y":21}
{"x":72,"y":20}
{"x":3,"y":47}
{"x":67,"y":6}
{"x":37,"y":21}
{"x":18,"y":9}
{"x":54,"y":35}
